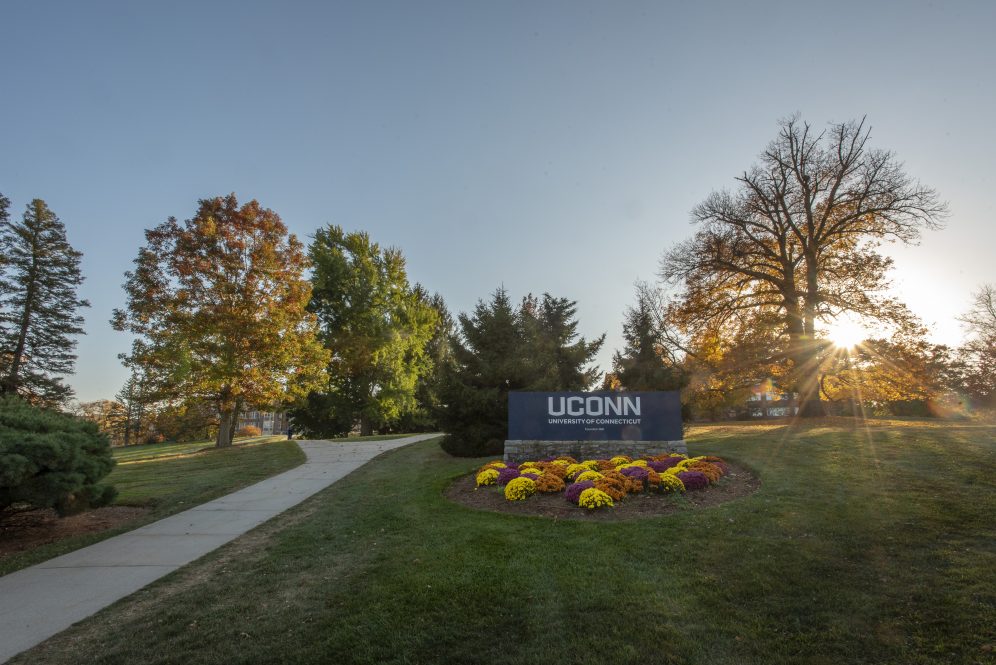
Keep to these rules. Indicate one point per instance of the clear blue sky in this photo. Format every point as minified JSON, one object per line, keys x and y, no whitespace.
{"x":546,"y":146}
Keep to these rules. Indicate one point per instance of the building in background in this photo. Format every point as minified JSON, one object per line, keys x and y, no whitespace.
{"x":268,"y":422}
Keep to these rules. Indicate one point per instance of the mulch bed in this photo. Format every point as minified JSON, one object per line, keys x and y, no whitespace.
{"x":32,"y":528}
{"x":739,"y":483}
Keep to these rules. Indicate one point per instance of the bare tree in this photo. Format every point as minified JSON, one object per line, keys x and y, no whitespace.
{"x":800,"y":237}
{"x":979,"y":351}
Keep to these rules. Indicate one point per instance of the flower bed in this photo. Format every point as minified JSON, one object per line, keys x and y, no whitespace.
{"x":599,"y":484}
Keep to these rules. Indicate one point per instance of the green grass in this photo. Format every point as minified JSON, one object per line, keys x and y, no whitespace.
{"x":862,"y":546}
{"x":126,"y":454}
{"x":374,"y":437}
{"x":171,"y":484}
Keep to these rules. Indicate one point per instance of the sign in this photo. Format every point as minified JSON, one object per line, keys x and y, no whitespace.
{"x":598,"y":416}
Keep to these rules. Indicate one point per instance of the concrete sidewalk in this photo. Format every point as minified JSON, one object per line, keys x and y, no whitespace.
{"x":38,"y":602}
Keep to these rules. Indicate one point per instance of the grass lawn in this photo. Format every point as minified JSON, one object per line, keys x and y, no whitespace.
{"x":144,"y":452}
{"x":173,"y":483}
{"x":864,"y":545}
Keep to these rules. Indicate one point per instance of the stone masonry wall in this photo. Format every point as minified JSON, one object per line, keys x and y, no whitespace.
{"x":520,"y":451}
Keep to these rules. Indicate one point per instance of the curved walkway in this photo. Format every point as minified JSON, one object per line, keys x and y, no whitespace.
{"x":40,"y":601}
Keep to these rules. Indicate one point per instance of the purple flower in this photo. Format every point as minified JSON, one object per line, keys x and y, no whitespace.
{"x":573,"y":492}
{"x":662,"y":466}
{"x":694,"y":480}
{"x":506,"y":475}
{"x":635,"y":472}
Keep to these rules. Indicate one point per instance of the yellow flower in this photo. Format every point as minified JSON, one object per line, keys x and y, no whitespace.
{"x":589,"y":475}
{"x":671,"y":483}
{"x":593,"y":498}
{"x":520,"y":489}
{"x":487,"y":477}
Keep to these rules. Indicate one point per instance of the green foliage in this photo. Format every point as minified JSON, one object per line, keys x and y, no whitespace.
{"x":51,"y":460}
{"x":500,"y":349}
{"x":375,"y":325}
{"x":218,"y":307}
{"x":39,"y":278}
{"x":439,"y":352}
{"x":644,"y":363}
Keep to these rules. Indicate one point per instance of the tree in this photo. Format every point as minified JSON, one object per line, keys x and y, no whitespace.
{"x":109,"y":416}
{"x":219,"y":307}
{"x":133,"y":396}
{"x":646,"y":362}
{"x":800,"y":238}
{"x":376,"y":327}
{"x":503,"y":348}
{"x":904,"y":374}
{"x":51,"y":460}
{"x":439,"y":355}
{"x":979,"y":352}
{"x":38,"y":305}
{"x":558,"y":358}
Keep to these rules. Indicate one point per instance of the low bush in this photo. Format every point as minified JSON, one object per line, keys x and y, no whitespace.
{"x":469,"y":446}
{"x":51,"y":460}
{"x":249,"y":430}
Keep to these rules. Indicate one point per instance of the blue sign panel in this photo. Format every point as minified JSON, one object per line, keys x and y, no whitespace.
{"x":599,"y":416}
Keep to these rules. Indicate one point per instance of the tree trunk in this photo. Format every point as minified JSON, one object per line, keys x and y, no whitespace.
{"x":235,"y":421}
{"x":808,"y":379}
{"x":11,"y":382}
{"x":366,"y":427}
{"x":224,"y":427}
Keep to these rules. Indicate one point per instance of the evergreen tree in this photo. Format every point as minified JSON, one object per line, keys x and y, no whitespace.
{"x":559,"y":358}
{"x":376,"y":327}
{"x":500,"y":349}
{"x":643,"y":363}
{"x":38,"y":305}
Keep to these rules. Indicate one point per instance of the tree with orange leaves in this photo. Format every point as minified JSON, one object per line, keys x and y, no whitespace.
{"x":218,"y":305}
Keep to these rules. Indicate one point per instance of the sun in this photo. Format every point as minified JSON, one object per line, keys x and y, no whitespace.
{"x":846,"y":333}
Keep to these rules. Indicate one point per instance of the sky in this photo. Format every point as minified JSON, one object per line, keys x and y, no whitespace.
{"x":541,"y":146}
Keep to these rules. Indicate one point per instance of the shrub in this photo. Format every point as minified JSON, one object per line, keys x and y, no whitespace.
{"x":520,"y":489}
{"x":710,"y":470}
{"x":693,"y":480}
{"x":487,"y":477}
{"x":573,"y":492}
{"x":249,"y":430}
{"x":507,"y":475}
{"x":588,"y":475}
{"x":51,"y":460}
{"x":612,"y":487}
{"x":663,"y":465}
{"x":593,"y":498}
{"x":670,"y":484}
{"x":549,"y":483}
{"x":469,"y":446}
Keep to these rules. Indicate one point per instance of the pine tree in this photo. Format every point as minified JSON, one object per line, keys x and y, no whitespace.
{"x":38,"y":305}
{"x":559,"y":358}
{"x":500,"y":349}
{"x":642,"y":365}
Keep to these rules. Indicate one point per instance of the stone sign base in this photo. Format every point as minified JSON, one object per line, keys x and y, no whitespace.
{"x":521,"y":451}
